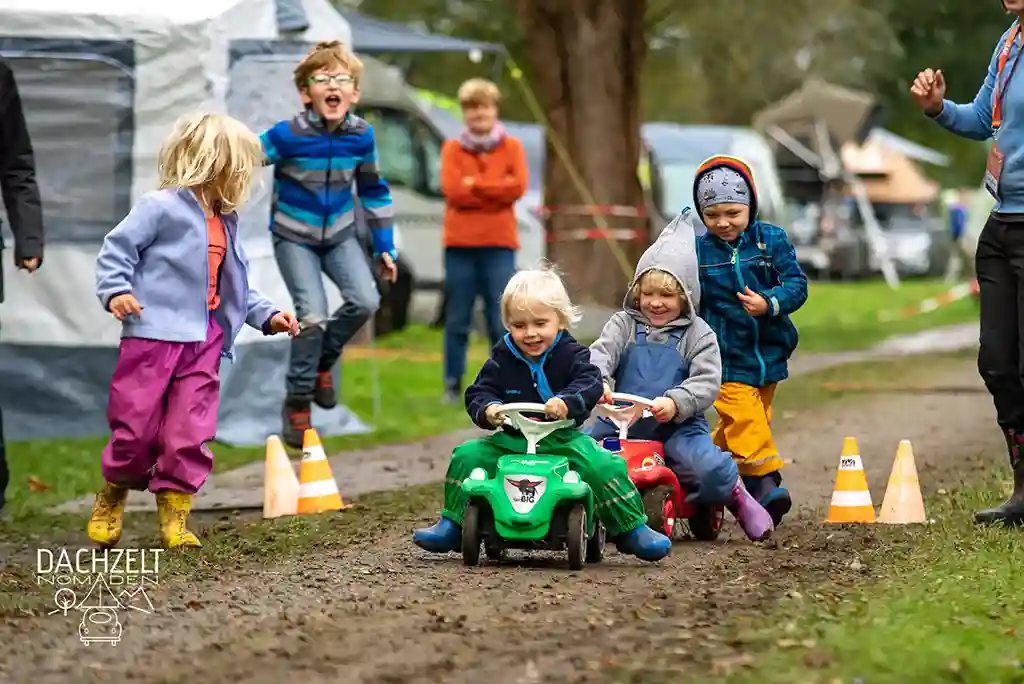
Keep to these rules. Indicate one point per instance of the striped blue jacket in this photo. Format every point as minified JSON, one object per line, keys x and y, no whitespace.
{"x":314,"y":170}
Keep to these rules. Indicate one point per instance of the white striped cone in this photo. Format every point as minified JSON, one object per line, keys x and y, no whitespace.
{"x":851,"y":498}
{"x":318,"y":492}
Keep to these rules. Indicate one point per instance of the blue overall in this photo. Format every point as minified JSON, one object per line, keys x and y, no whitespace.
{"x":649,"y":369}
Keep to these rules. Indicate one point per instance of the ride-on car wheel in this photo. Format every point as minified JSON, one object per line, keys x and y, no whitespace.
{"x":576,"y":538}
{"x":494,"y":553}
{"x":706,"y":522}
{"x":660,"y":510}
{"x":471,"y":535}
{"x":595,"y":545}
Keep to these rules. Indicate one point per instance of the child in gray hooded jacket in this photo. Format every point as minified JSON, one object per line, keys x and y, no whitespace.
{"x":658,"y":348}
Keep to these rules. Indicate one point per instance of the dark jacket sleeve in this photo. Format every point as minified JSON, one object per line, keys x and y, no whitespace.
{"x":18,"y":173}
{"x":585,"y":386}
{"x":484,"y":391}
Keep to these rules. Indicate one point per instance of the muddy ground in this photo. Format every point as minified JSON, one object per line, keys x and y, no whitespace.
{"x":379,"y":610}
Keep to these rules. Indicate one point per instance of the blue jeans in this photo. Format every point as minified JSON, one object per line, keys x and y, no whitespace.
{"x":706,"y":472}
{"x":322,"y":337}
{"x":471,"y":272}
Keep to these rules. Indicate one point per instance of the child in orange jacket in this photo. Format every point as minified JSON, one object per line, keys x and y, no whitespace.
{"x":483,"y":175}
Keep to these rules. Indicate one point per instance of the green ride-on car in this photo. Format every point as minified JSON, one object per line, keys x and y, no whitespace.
{"x":534,"y":501}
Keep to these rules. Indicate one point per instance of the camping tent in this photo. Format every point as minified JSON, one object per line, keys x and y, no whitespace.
{"x":102,"y":82}
{"x":889,"y":176}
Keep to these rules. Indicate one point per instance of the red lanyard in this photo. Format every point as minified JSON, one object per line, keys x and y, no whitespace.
{"x":1004,"y":55}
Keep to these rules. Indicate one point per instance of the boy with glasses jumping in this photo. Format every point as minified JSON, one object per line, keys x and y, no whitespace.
{"x":317,"y":157}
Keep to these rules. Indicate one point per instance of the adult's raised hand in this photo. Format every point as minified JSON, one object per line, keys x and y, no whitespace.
{"x":928,"y":91}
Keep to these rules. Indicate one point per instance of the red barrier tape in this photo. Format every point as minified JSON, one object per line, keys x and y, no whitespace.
{"x":593,"y":210}
{"x":580,"y":234}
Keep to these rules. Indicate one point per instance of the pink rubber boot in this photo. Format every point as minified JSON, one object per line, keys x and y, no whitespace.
{"x":752,"y":517}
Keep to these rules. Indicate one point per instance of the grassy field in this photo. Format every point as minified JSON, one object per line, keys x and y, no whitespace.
{"x":942,"y":603}
{"x":841,"y":315}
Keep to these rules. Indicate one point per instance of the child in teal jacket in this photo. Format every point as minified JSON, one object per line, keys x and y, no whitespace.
{"x":750,"y":283}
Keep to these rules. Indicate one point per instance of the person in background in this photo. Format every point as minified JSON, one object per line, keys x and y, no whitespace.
{"x":997,"y":112}
{"x":957,"y":217}
{"x":483,"y":175}
{"x":21,"y":200}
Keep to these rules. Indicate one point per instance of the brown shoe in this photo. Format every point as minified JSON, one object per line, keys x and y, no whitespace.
{"x":325,"y":395}
{"x":296,"y":421}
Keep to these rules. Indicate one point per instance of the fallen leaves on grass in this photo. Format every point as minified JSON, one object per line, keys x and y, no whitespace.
{"x":35,"y":485}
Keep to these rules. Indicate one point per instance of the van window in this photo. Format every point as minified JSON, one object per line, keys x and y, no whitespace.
{"x":408,"y":150}
{"x":396,"y":146}
{"x":430,"y":144}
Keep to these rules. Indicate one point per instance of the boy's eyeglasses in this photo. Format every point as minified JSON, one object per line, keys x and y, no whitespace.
{"x":324,"y":79}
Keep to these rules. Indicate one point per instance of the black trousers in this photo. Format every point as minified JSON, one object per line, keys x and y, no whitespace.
{"x":999,"y":262}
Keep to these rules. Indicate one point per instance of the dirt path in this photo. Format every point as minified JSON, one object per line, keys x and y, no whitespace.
{"x":384,"y":612}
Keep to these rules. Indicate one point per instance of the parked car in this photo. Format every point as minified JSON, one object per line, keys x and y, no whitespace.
{"x":917,"y":236}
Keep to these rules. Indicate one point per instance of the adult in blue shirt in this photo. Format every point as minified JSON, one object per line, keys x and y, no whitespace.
{"x":997,"y":112}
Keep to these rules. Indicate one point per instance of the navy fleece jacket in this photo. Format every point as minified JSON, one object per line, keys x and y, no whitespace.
{"x":564,"y":371}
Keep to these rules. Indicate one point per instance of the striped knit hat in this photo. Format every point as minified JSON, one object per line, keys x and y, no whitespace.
{"x":724,"y":179}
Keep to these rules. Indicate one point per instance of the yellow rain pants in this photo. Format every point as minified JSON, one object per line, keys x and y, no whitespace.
{"x":744,"y":427}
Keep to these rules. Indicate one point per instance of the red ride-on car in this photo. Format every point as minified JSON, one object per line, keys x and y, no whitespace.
{"x":664,"y":498}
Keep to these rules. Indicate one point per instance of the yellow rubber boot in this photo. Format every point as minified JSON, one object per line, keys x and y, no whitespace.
{"x":105,"y":522}
{"x":173,"y":509}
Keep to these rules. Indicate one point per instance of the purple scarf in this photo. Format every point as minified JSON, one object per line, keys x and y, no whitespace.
{"x":482,"y":143}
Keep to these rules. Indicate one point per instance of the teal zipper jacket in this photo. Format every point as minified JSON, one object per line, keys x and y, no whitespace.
{"x":755,"y":350}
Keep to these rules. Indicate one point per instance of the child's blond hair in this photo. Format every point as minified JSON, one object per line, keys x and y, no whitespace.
{"x":326,"y":55}
{"x":213,"y":155}
{"x":660,"y":280}
{"x":479,"y":91}
{"x":541,"y":286}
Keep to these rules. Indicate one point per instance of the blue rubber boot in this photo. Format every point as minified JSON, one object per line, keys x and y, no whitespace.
{"x":644,"y":543}
{"x":443,"y":537}
{"x":770,"y":493}
{"x":777,"y":502}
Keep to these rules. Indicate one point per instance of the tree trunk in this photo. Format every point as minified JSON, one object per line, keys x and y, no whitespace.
{"x":587,"y":56}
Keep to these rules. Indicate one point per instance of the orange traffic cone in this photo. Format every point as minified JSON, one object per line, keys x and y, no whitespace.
{"x":903,"y":503}
{"x":851,"y":498}
{"x":280,"y":486}
{"x":318,"y":492}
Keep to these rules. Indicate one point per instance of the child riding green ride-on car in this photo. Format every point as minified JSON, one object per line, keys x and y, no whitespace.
{"x":538,"y":361}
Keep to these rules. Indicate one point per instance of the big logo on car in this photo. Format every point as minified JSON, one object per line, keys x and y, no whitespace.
{"x":524,"y":491}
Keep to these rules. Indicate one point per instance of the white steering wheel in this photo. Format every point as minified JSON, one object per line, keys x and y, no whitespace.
{"x":533,"y":430}
{"x":632,"y":409}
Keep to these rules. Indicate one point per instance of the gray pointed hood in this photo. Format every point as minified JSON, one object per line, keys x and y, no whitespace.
{"x":675,"y":252}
